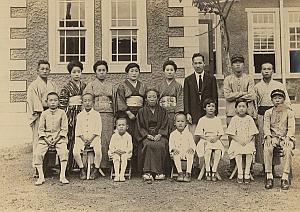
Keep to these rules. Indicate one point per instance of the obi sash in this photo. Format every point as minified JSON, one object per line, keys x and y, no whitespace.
{"x":263,"y":109}
{"x":167,"y":102}
{"x":103,"y":104}
{"x":75,"y":100}
{"x":135,"y":101}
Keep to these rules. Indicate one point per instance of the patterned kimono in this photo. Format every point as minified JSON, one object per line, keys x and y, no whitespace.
{"x":171,"y":98}
{"x":153,"y":153}
{"x":263,"y":98}
{"x":104,"y":93}
{"x":37,"y":103}
{"x":70,"y":101}
{"x":131,"y":98}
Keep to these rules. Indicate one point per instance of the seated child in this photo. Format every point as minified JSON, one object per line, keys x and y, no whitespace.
{"x":242,"y":130}
{"x":210,"y":130}
{"x":182,"y":146}
{"x":120,"y":149}
{"x":88,"y":134}
{"x":52,"y":131}
{"x":279,"y":131}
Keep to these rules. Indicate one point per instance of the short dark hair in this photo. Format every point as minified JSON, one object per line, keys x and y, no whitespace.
{"x":132,"y":65}
{"x":99,"y":63}
{"x":170,"y":62}
{"x":85,"y":94}
{"x":239,"y":100}
{"x":43,"y":62}
{"x":121,"y":118}
{"x":52,"y":94}
{"x":152,"y":89}
{"x":198,"y":55}
{"x":121,"y":115}
{"x":208,"y":101}
{"x":178,"y":114}
{"x":74,"y":63}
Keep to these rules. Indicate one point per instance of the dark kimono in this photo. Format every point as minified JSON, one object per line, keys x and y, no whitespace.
{"x":152,"y":154}
{"x":130,"y":98}
{"x":70,"y":101}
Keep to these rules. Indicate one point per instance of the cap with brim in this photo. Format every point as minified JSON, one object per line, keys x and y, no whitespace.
{"x":277,"y":92}
{"x":237,"y":58}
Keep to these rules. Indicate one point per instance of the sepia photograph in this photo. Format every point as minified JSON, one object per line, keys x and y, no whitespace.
{"x":150,"y":105}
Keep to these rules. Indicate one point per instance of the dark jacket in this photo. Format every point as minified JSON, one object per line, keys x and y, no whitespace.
{"x":193,"y":103}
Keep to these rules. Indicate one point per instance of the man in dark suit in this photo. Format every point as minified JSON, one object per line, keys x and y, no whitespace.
{"x":197,"y":87}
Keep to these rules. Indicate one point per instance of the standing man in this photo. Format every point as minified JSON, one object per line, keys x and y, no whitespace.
{"x":197,"y":87}
{"x":37,"y":98}
{"x":238,"y":85}
{"x":263,"y":91}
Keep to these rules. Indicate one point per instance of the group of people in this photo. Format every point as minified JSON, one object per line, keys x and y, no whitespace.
{"x":153,"y":126}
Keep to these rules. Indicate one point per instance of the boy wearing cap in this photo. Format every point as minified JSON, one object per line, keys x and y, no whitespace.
{"x":279,"y":131}
{"x":238,"y":85}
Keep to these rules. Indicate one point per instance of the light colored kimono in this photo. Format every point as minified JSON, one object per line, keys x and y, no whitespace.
{"x":36,"y":102}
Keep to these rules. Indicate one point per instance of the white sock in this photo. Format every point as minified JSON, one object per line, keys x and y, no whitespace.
{"x":285,"y":176}
{"x":269,"y":175}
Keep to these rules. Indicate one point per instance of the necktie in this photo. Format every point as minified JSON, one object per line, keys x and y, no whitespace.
{"x":200,"y":85}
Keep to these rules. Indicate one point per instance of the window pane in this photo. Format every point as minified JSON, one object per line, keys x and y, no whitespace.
{"x":259,"y":59}
{"x":134,"y":57}
{"x":124,"y":32}
{"x":82,"y":10}
{"x":72,"y":46}
{"x":292,"y":37}
{"x":82,"y":45}
{"x":124,"y":22}
{"x":72,"y":11}
{"x":293,"y":45}
{"x":295,"y":61}
{"x":114,"y":58}
{"x":113,"y":10}
{"x":61,"y":59}
{"x":114,"y":45}
{"x":124,"y":45}
{"x":134,"y":45}
{"x":62,"y":45}
{"x":124,"y":58}
{"x":70,"y":58}
{"x":70,"y":23}
{"x":133,"y":9}
{"x":124,"y":9}
{"x":82,"y":58}
{"x":72,"y":33}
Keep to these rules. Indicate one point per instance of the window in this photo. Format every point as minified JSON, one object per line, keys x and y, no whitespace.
{"x":124,"y":34}
{"x":124,"y":30}
{"x":71,"y":30}
{"x":263,"y":39}
{"x":294,"y":41}
{"x":71,"y":33}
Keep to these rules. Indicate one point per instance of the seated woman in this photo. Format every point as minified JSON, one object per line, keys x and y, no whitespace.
{"x":152,"y":132}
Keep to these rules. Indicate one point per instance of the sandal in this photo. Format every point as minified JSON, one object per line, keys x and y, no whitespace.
{"x":160,"y":177}
{"x":147,"y":176}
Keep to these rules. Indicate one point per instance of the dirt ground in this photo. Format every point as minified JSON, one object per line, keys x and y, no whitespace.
{"x":18,"y":192}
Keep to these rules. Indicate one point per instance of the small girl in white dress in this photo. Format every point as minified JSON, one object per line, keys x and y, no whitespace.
{"x":210,"y":130}
{"x":242,"y":130}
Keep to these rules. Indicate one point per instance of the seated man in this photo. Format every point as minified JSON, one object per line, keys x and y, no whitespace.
{"x":279,"y":131}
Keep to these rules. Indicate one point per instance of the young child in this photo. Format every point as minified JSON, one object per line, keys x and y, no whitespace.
{"x":120,"y":148}
{"x":242,"y":131}
{"x":182,"y":146}
{"x":88,"y":134}
{"x":279,"y":131}
{"x":52,"y":131}
{"x":210,"y":130}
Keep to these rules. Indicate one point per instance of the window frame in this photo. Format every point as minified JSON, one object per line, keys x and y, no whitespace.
{"x":286,"y":35}
{"x":54,"y":37}
{"x":277,"y":43}
{"x":142,"y":53}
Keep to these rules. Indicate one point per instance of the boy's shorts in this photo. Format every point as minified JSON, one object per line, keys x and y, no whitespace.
{"x":42,"y":148}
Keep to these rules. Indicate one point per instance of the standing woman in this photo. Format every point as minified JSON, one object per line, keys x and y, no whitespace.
{"x":103,"y":92}
{"x":130,"y":98}
{"x":152,"y":134}
{"x":70,"y":101}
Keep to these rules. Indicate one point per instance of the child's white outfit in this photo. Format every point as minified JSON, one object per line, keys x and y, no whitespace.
{"x":120,"y":142}
{"x":209,"y":127}
{"x":87,"y":125}
{"x":182,"y":141}
{"x":244,"y":127}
